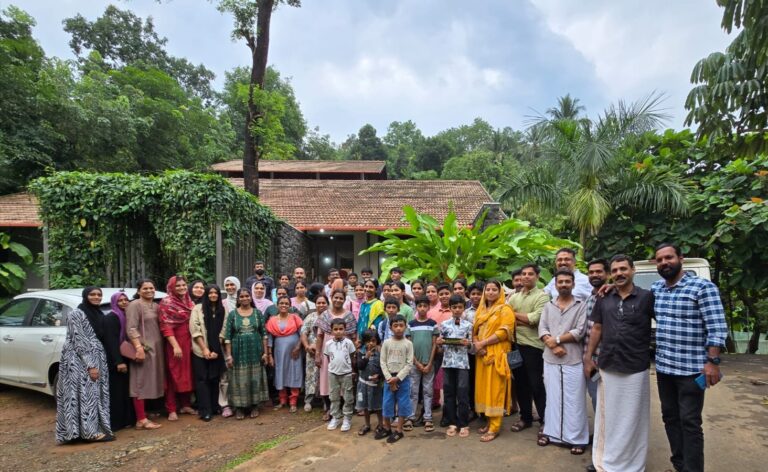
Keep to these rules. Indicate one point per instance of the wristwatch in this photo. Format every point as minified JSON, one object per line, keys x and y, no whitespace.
{"x":713,"y":360}
{"x":557,"y":340}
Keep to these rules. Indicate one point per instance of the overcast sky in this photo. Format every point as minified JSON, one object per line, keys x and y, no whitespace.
{"x":440,"y":63}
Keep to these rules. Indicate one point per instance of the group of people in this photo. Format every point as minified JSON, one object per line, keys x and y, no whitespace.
{"x":399,"y":351}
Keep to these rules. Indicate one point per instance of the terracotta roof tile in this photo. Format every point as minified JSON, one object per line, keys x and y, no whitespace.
{"x":355,"y":205}
{"x":344,"y":167}
{"x":19,"y":209}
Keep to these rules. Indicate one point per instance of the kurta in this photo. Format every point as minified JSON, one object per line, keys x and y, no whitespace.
{"x":288,"y":371}
{"x":121,"y":412}
{"x":309,"y":329}
{"x":493,"y":386}
{"x":82,"y":405}
{"x":179,"y":369}
{"x":247,"y":377}
{"x":147,"y":377}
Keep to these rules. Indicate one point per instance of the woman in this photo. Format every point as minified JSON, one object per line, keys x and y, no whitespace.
{"x":324,"y":334}
{"x":371,"y":311}
{"x":260,"y":299}
{"x":353,"y":305}
{"x":283,"y":281}
{"x":397,"y":291}
{"x":205,"y":324}
{"x":231,"y":286}
{"x":175,"y":310}
{"x":285,"y":348}
{"x":197,"y":291}
{"x":120,"y":406}
{"x":309,"y":341}
{"x":431,"y":292}
{"x":245,"y":344}
{"x":82,"y":393}
{"x":300,"y":302}
{"x":147,"y":371}
{"x":493,"y":331}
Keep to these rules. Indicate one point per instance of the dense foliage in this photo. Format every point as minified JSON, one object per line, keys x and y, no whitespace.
{"x":92,"y":217}
{"x":16,"y":261}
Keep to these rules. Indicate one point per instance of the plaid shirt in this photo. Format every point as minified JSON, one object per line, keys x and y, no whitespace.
{"x":590,"y":304}
{"x":690,"y":318}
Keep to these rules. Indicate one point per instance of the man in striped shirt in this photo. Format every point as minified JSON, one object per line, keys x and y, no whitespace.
{"x":690,"y":333}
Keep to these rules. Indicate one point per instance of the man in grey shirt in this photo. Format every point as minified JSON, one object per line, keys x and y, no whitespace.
{"x":565,"y":259}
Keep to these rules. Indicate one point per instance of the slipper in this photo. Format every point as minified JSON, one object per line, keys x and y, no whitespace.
{"x":364,"y":430}
{"x":394,"y":437}
{"x":240,"y":415}
{"x":327,"y":416}
{"x":254,"y":413}
{"x":146,"y":424}
{"x":429,"y":426}
{"x":464,"y":432}
{"x":519,"y":426}
{"x":382,"y":433}
{"x":173,"y":416}
{"x":483,"y":429}
{"x":102,"y":438}
{"x":188,"y":411}
{"x":543,"y":441}
{"x":226,"y":412}
{"x":278,"y":406}
{"x":293,"y":409}
{"x":408,"y":425}
{"x":488,"y":437}
{"x":577,"y":450}
{"x":451,"y":431}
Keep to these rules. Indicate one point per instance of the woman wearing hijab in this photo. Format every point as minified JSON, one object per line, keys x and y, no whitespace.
{"x":492,"y":332}
{"x":205,"y":324}
{"x":197,"y":291}
{"x":260,"y":298}
{"x":231,"y":286}
{"x":175,"y":310}
{"x":82,"y":393}
{"x":120,"y":406}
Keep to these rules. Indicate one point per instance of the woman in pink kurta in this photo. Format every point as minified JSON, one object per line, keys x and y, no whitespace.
{"x":175,"y":310}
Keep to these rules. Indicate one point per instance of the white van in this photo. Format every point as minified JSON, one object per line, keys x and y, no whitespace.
{"x":646,"y":274}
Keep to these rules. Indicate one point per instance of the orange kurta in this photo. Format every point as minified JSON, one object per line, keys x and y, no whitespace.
{"x":493,"y":378}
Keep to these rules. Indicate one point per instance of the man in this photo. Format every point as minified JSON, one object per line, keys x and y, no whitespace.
{"x":299,"y":275}
{"x":622,"y":326}
{"x":690,"y":333}
{"x":561,"y":328}
{"x":259,"y":275}
{"x":517,"y":280}
{"x":565,"y":259}
{"x":333,"y":274}
{"x":597,"y":272}
{"x":529,"y":378}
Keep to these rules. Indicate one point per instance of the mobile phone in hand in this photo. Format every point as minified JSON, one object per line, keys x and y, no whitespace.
{"x":595,"y":375}
{"x":701,"y":381}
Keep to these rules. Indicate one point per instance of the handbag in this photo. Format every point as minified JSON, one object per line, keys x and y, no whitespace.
{"x":127,"y":349}
{"x":514,"y":359}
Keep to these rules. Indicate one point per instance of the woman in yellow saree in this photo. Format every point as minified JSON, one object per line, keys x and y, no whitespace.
{"x":493,"y":333}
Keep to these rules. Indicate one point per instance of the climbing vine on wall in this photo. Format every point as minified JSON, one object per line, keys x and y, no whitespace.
{"x":89,"y":215}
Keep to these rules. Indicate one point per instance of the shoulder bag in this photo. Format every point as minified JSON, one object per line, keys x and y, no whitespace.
{"x":127,"y":349}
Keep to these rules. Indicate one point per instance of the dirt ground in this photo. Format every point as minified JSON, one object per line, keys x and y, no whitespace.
{"x":735,"y":429}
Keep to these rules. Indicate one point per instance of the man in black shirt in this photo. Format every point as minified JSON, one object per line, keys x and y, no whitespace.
{"x":260,"y":275}
{"x":622,"y":328}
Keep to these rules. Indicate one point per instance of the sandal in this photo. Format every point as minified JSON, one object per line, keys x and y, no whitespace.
{"x":254,"y":413}
{"x":101,"y":438}
{"x":240,"y":415}
{"x":464,"y":432}
{"x":543,"y":441}
{"x":394,"y":437}
{"x":226,"y":412}
{"x":451,"y":431}
{"x":279,"y":406}
{"x":382,"y":433}
{"x":519,"y":426}
{"x":293,"y":409}
{"x":489,"y":436}
{"x":172,"y":416}
{"x":327,"y":416}
{"x":429,"y":426}
{"x":483,"y":429}
{"x":188,"y":410}
{"x":408,"y":425}
{"x":364,"y":430}
{"x":146,"y":424}
{"x":577,"y":450}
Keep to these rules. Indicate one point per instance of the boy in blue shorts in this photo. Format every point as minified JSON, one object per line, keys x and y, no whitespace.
{"x":396,"y":361}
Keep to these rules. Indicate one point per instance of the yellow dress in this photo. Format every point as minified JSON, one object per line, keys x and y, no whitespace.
{"x":493,"y":379}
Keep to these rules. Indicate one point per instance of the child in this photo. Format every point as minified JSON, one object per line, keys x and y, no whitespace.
{"x":391,"y":308}
{"x":339,"y":351}
{"x":369,"y":385}
{"x":422,"y":332}
{"x":396,"y":360}
{"x":440,"y":312}
{"x":475,"y":294}
{"x":455,"y":338}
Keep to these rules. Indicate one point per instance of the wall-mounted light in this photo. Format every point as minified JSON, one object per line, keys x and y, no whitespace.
{"x":327,"y":260}
{"x":331,"y":237}
{"x":322,"y":230}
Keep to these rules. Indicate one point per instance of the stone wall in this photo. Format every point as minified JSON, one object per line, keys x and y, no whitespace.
{"x":293,"y":248}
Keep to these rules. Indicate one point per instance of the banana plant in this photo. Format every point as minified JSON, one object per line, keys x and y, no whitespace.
{"x":430,"y":251}
{"x":12,"y":275}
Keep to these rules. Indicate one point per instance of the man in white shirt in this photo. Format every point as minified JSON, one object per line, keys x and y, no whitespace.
{"x":565,"y":258}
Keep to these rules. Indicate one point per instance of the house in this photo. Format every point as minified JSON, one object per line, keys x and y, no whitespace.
{"x":327,"y":208}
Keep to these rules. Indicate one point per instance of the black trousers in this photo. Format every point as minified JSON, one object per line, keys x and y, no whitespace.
{"x":456,"y":394}
{"x":206,"y":387}
{"x":681,"y":404}
{"x":529,"y":383}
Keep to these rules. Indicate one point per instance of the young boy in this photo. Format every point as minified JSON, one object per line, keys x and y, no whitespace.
{"x":441,"y":311}
{"x":396,"y":360}
{"x":369,"y":385}
{"x":423,"y":333}
{"x":455,"y":338}
{"x":340,"y":351}
{"x":391,"y":308}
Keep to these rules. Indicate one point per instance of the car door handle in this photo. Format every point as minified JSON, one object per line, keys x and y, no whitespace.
{"x":46,"y":339}
{"x":8,"y":338}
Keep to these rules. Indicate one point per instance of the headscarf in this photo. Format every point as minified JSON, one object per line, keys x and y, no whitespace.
{"x":173,"y":309}
{"x":231,"y":302}
{"x":93,"y":313}
{"x":119,"y":312}
{"x":213,"y":318}
{"x":196,"y":301}
{"x":261,"y":303}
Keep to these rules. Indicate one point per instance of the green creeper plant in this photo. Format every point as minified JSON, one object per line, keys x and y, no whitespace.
{"x":430,"y":251}
{"x":12,"y":275}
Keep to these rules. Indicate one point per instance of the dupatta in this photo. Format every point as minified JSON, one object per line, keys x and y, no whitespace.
{"x":175,"y":310}
{"x":292,"y":324}
{"x":498,"y":316}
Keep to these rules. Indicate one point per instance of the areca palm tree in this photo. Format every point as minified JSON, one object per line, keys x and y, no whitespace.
{"x":579,"y":171}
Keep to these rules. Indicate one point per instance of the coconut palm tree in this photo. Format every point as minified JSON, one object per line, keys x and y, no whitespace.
{"x":579,"y":171}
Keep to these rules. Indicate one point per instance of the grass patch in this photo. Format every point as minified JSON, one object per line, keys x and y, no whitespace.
{"x":255,"y":451}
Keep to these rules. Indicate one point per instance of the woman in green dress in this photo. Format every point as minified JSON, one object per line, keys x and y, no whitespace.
{"x":245,"y":341}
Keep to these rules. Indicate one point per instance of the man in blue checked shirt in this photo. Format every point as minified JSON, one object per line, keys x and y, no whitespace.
{"x":690,"y":333}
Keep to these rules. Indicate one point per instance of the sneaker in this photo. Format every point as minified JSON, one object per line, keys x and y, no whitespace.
{"x":346,"y":425}
{"x":307,"y":407}
{"x":333,"y":424}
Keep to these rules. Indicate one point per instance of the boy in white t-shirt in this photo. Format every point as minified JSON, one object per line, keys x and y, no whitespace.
{"x":340,"y":351}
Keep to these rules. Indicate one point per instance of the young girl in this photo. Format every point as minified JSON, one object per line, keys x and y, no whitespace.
{"x":353,"y":305}
{"x":300,"y":302}
{"x":417,"y":289}
{"x":369,"y":385}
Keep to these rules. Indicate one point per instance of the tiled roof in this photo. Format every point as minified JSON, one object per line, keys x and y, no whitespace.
{"x":358,"y":205}
{"x":342,"y":167}
{"x":18,"y":210}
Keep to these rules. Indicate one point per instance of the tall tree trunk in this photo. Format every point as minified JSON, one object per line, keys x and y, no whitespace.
{"x":748,"y":299}
{"x":259,"y":46}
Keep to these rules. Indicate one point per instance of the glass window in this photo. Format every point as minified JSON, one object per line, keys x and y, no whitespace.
{"x":49,"y":313}
{"x":14,"y":313}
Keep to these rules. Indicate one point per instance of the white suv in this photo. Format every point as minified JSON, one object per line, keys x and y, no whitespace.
{"x":33,"y":327}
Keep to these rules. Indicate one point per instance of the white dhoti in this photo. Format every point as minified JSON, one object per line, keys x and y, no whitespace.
{"x":565,"y":420}
{"x":622,"y":421}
